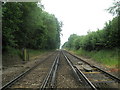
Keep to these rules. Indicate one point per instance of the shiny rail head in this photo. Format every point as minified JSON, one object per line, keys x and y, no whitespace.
{"x":49,"y":81}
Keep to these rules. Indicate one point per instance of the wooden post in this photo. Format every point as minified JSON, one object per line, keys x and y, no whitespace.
{"x":25,"y":54}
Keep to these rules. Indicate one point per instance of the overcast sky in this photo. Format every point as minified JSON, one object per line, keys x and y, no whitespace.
{"x":79,"y":16}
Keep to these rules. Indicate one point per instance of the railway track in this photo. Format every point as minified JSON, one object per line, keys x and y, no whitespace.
{"x":66,"y":78}
{"x":49,"y":81}
{"x":33,"y":77}
{"x":95,"y":77}
{"x":64,"y":70}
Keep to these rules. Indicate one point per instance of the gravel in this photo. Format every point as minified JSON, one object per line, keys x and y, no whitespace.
{"x":35,"y":78}
{"x":94,"y":77}
{"x":9,"y":73}
{"x":65,"y":77}
{"x":113,"y":71}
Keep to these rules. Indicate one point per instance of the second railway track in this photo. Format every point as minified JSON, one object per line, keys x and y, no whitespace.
{"x":95,"y":77}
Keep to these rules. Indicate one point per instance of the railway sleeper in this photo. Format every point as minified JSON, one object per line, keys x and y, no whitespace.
{"x":90,"y":72}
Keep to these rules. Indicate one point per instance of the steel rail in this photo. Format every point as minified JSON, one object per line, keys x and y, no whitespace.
{"x":88,"y":81}
{"x":50,"y":77}
{"x":79,"y":73}
{"x":13,"y":81}
{"x":54,"y":74}
{"x":72,"y":68}
{"x":108,"y":74}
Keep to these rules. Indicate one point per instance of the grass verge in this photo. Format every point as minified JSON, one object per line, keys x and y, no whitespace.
{"x":34,"y":53}
{"x":15,"y":56}
{"x":109,"y":58}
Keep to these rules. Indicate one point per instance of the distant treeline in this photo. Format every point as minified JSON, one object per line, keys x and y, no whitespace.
{"x":107,"y":38}
{"x":27,"y":25}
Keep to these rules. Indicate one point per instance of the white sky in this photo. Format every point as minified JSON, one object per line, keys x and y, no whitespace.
{"x":79,"y":16}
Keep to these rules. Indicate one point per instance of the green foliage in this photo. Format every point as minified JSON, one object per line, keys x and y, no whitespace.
{"x":115,"y":9}
{"x":107,"y":38}
{"x":113,"y":33}
{"x":101,"y":45}
{"x":33,"y":52}
{"x":10,"y":21}
{"x":12,"y":51}
{"x":25,"y":25}
{"x":107,"y":57}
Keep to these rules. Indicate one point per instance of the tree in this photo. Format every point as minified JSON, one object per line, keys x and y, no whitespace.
{"x":10,"y":21}
{"x":115,"y":9}
{"x":27,"y":25}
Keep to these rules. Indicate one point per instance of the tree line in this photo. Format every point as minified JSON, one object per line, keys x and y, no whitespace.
{"x":27,"y":25}
{"x":106,"y":38}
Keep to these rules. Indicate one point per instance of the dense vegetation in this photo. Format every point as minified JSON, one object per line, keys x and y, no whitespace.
{"x":107,"y":38}
{"x":108,"y":57}
{"x":101,"y":45}
{"x":27,"y":25}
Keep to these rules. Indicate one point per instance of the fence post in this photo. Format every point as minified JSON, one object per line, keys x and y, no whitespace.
{"x":25,"y":54}
{"x":28,"y":55}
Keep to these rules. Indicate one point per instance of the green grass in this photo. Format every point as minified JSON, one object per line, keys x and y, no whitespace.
{"x":107,"y":57}
{"x":12,"y":51}
{"x":19,"y":53}
{"x":33,"y":53}
{"x":15,"y":56}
